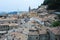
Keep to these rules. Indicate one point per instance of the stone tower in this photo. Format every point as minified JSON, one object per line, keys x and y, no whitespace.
{"x":29,"y":8}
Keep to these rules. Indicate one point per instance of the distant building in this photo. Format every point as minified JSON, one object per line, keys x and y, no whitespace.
{"x":2,"y":15}
{"x":44,"y":34}
{"x":29,"y":8}
{"x":54,"y":33}
{"x":42,"y":9}
{"x":33,"y":34}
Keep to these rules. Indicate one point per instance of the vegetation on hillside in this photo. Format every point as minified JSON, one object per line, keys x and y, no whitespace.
{"x":52,"y":4}
{"x":58,"y":16}
{"x":55,"y":23}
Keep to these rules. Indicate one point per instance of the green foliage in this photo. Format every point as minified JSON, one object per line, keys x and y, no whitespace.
{"x":46,"y":2}
{"x":55,"y":23}
{"x":58,"y":16}
{"x":52,"y":4}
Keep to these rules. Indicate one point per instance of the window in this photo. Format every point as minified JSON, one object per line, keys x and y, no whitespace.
{"x":31,"y":30}
{"x":30,"y":37}
{"x":15,"y":21}
{"x":12,"y":22}
{"x":36,"y":37}
{"x":8,"y":22}
{"x":19,"y":39}
{"x":55,"y":38}
{"x":21,"y":23}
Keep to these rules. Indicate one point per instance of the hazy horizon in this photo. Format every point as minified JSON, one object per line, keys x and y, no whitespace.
{"x":18,"y":5}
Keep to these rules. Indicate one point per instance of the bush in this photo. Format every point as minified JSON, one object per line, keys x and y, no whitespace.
{"x":55,"y":23}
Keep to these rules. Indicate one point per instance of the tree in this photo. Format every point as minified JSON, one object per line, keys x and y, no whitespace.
{"x":58,"y":16}
{"x":52,"y":4}
{"x":55,"y":23}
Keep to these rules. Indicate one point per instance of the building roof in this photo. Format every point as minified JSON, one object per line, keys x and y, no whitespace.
{"x":33,"y":31}
{"x":8,"y":19}
{"x":42,"y":31}
{"x":55,"y":30}
{"x":19,"y":36}
{"x":12,"y":24}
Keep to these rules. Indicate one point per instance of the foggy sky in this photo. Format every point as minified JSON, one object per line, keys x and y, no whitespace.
{"x":21,"y":5}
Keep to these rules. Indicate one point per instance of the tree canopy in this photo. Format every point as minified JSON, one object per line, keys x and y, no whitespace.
{"x":55,"y":23}
{"x":52,"y":4}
